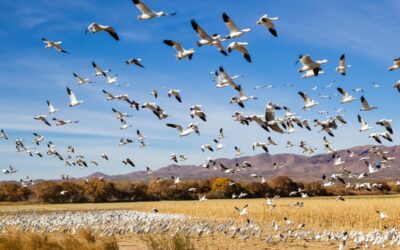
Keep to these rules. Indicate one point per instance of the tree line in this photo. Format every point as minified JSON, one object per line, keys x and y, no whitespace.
{"x":96,"y":190}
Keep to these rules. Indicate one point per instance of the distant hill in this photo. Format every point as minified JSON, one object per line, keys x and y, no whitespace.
{"x":297,"y":167}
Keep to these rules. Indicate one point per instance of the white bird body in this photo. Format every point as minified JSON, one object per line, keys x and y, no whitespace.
{"x":235,"y":32}
{"x":396,"y":64}
{"x":342,"y":68}
{"x":308,"y":102}
{"x":181,"y":52}
{"x":268,"y":22}
{"x":55,"y":45}
{"x":184,"y":132}
{"x":73,"y":101}
{"x":364,"y":124}
{"x":147,"y":13}
{"x":81,"y":80}
{"x":309,"y":64}
{"x":346,"y":98}
{"x":52,"y":109}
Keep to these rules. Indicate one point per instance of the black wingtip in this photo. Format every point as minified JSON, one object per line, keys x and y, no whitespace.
{"x":225,"y":17}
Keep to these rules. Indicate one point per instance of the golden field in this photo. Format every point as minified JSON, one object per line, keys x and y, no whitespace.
{"x":357,"y":212}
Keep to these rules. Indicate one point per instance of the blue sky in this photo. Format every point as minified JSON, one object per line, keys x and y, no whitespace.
{"x":366,"y":31}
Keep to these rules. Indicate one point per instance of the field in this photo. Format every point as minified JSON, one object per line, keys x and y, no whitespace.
{"x":318,"y":214}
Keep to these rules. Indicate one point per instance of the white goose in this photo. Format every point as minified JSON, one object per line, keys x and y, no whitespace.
{"x":342,"y":68}
{"x":364,"y":124}
{"x":80,"y":79}
{"x":219,"y":145}
{"x":184,"y":132}
{"x":94,"y":28}
{"x":135,"y":61}
{"x":3,"y":135}
{"x":51,"y":108}
{"x":346,"y":98}
{"x":240,"y":46}
{"x":73,"y":101}
{"x":268,"y":22}
{"x":234,"y":31}
{"x":224,"y":79}
{"x":310,"y":65}
{"x":308,"y":103}
{"x":147,"y":13}
{"x":396,"y":64}
{"x":60,"y":122}
{"x":55,"y":45}
{"x":98,"y":71}
{"x":43,"y":119}
{"x":176,"y":93}
{"x":206,"y":39}
{"x":242,"y":211}
{"x":181,"y":52}
{"x":397,"y":85}
{"x":365,"y":105}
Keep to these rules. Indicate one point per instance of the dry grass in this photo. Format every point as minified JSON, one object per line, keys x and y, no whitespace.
{"x":83,"y":240}
{"x":357,"y":212}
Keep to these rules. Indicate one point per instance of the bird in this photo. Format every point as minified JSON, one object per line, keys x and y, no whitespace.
{"x":233,"y":29}
{"x":184,"y":132}
{"x":51,"y":108}
{"x":99,"y":72}
{"x":206,"y":146}
{"x":154,"y":93}
{"x":119,"y":115}
{"x":219,"y":145}
{"x":224,"y":79}
{"x":363,"y":123}
{"x":94,"y":28}
{"x":237,"y":151}
{"x":268,"y":22}
{"x":73,"y":101}
{"x":55,"y":45}
{"x":176,"y":93}
{"x":206,"y":39}
{"x":346,"y":98}
{"x":37,"y":139}
{"x":397,"y":85}
{"x":263,"y":145}
{"x":396,"y":64}
{"x":308,"y":103}
{"x":147,"y":13}
{"x":105,"y":156}
{"x":80,"y":79}
{"x":365,"y":105}
{"x":386,"y":124}
{"x":181,"y":52}
{"x":112,"y":79}
{"x":43,"y":119}
{"x":3,"y":135}
{"x":60,"y":122}
{"x":135,"y":61}
{"x":382,"y":215}
{"x":242,"y":211}
{"x":140,"y":137}
{"x":196,"y":110}
{"x":128,"y":161}
{"x":203,"y":198}
{"x":342,"y":68}
{"x":241,"y":99}
{"x":240,"y":46}
{"x":313,"y":67}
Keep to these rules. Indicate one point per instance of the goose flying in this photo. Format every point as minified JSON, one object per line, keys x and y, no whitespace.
{"x":206,"y":39}
{"x":240,"y":46}
{"x":73,"y":101}
{"x":235,"y":32}
{"x":147,"y":13}
{"x":181,"y":52}
{"x":268,"y":22}
{"x":94,"y":28}
{"x":55,"y":45}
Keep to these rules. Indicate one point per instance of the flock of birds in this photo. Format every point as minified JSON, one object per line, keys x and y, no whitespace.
{"x":270,"y":121}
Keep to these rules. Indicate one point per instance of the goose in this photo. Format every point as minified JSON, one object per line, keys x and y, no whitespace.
{"x":3,"y":135}
{"x":268,"y":22}
{"x":63,"y":192}
{"x":154,"y":93}
{"x":289,"y":144}
{"x":148,"y":13}
{"x":386,"y":124}
{"x":196,"y":110}
{"x":128,"y":161}
{"x":203,"y":198}
{"x":365,"y":105}
{"x":275,"y":166}
{"x":119,"y":115}
{"x":94,"y":28}
{"x":123,"y":141}
{"x":381,"y":214}
{"x":135,"y":61}
{"x":37,"y":139}
{"x":176,"y":93}
{"x":338,"y":161}
{"x":112,"y":79}
{"x":346,"y":98}
{"x":190,"y":128}
{"x":73,"y":101}
{"x":206,"y":146}
{"x":396,"y":64}
{"x":176,"y":180}
{"x":308,"y":103}
{"x":105,"y":157}
{"x":241,"y":99}
{"x":183,"y":158}
{"x":326,"y":182}
{"x":386,"y":135}
{"x":364,"y":124}
{"x":181,"y":52}
{"x":271,"y":142}
{"x":310,"y":65}
{"x":233,"y":29}
{"x":140,"y":137}
{"x":397,"y":85}
{"x":342,"y":68}
{"x":60,"y":122}
{"x":51,"y":108}
{"x":206,"y":39}
{"x":192,"y":190}
{"x":263,"y":145}
{"x":80,"y":79}
{"x":98,"y":71}
{"x":240,"y":46}
{"x":157,"y":110}
{"x":340,"y":198}
{"x":124,"y":124}
{"x":270,"y":202}
{"x":226,"y":80}
{"x":242,"y":211}
{"x":237,"y":151}
{"x":94,"y":163}
{"x":221,"y":134}
{"x":375,"y":136}
{"x":43,"y":119}
{"x":219,"y":145}
{"x":55,"y":45}
{"x":133,"y":104}
{"x":9,"y":170}
{"x":109,"y":95}
{"x":270,"y":117}
{"x":173,"y":157}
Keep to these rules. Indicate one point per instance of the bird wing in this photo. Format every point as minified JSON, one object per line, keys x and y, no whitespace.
{"x":229,"y":23}
{"x":199,"y":30}
{"x":306,"y":61}
{"x":71,"y":95}
{"x":342,"y":62}
{"x":174,"y":44}
{"x":142,"y":7}
{"x":112,"y":32}
{"x":304,"y":96}
{"x":178,"y":127}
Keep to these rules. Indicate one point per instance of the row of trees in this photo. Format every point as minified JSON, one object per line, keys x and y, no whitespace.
{"x":104,"y":191}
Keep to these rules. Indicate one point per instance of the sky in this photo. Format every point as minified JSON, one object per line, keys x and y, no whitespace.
{"x":366,"y":31}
